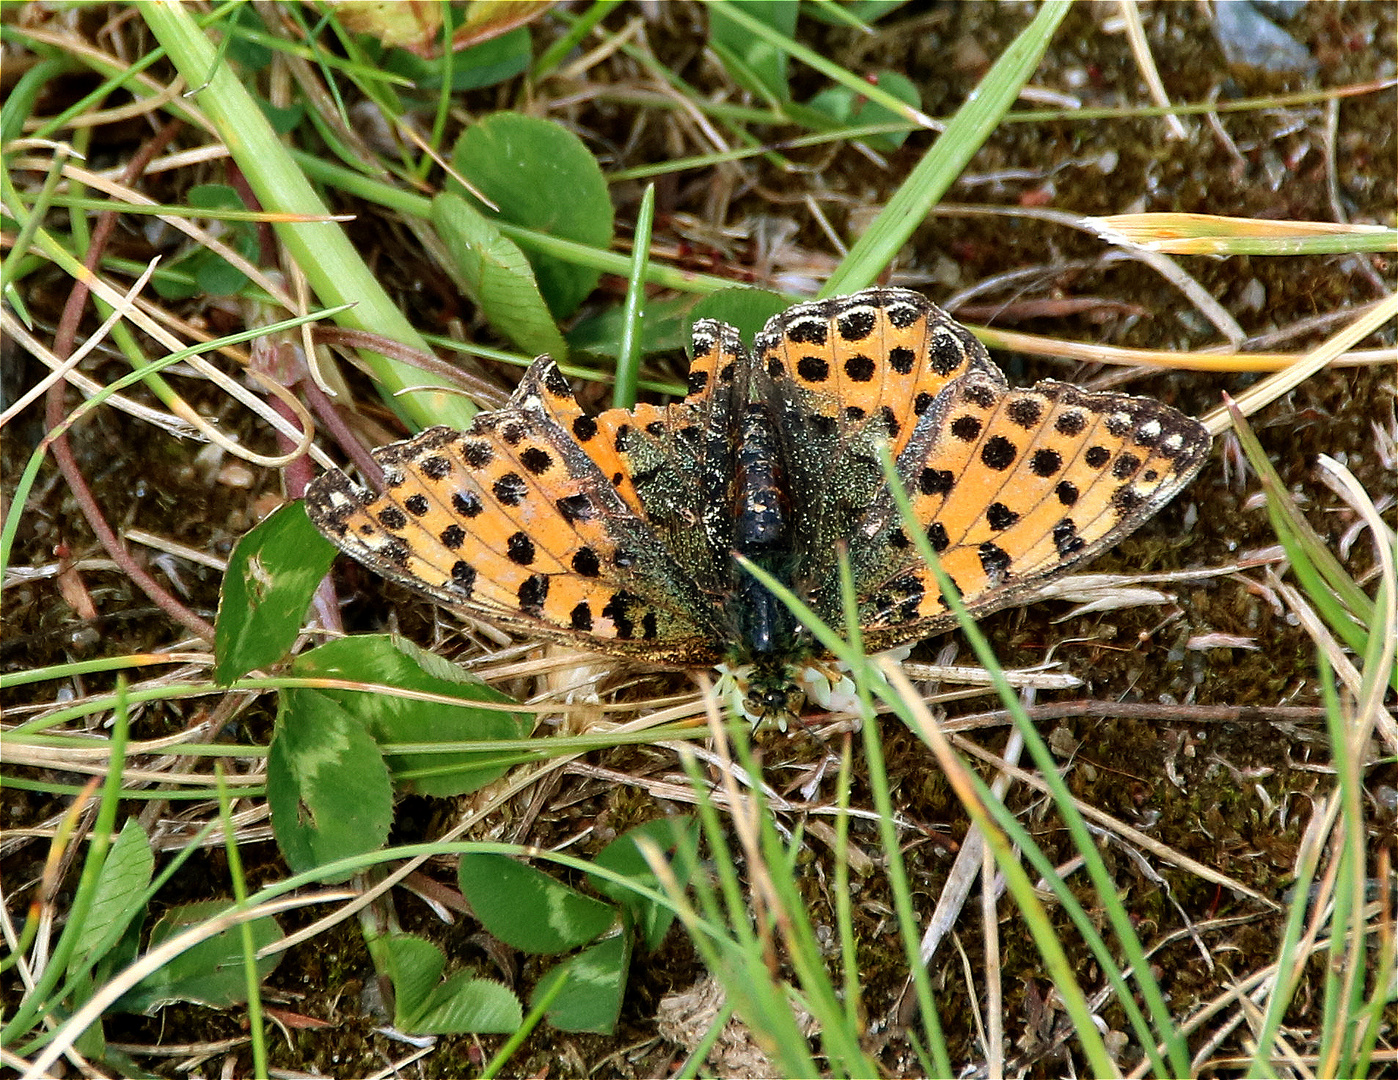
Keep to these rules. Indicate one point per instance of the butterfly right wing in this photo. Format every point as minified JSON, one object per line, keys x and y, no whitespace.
{"x":1013,"y":488}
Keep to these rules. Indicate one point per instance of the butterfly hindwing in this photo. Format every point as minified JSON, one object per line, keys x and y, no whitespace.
{"x":679,"y":459}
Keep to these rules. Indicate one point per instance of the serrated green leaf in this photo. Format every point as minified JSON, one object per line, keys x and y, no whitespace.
{"x":467,"y":1003}
{"x":415,"y":967}
{"x":594,"y":982}
{"x":678,"y":839}
{"x":211,"y":972}
{"x":123,"y":879}
{"x":527,"y":909}
{"x":272,"y":574}
{"x":542,"y":177}
{"x":497,"y":277}
{"x":392,"y":661}
{"x":327,"y":784}
{"x":425,"y":1004}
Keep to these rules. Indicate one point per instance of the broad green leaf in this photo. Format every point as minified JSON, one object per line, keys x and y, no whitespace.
{"x":393,"y":661}
{"x":212,"y":273}
{"x":283,"y":120}
{"x":527,"y":909}
{"x":747,"y":309}
{"x":497,"y":277}
{"x":124,"y":877}
{"x":757,"y":65}
{"x":209,"y":973}
{"x":541,"y":176}
{"x":272,"y":574}
{"x":327,"y":784}
{"x":243,"y":52}
{"x":844,"y":106}
{"x":678,"y":839}
{"x":665,"y":328}
{"x":485,"y":64}
{"x":594,"y":982}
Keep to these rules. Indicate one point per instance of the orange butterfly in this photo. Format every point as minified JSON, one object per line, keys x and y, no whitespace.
{"x":616,"y":533}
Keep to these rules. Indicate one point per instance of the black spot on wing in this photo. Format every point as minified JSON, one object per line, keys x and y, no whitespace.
{"x":995,"y":560}
{"x":586,"y":563}
{"x":434,"y":467}
{"x":520,"y":549}
{"x":998,"y":453}
{"x":966,"y":428}
{"x":856,"y":325}
{"x":510,"y":489}
{"x":1000,"y":517}
{"x":1026,"y":412}
{"x":1066,"y":538}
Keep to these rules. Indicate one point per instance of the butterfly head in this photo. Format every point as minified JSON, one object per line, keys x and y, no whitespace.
{"x":766,"y":691}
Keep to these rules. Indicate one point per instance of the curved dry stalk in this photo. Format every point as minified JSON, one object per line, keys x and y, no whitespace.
{"x":1268,"y":390}
{"x":1221,"y":318}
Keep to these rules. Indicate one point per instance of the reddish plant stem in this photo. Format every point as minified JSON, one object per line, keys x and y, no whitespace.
{"x":55,"y":410}
{"x":329,"y":416}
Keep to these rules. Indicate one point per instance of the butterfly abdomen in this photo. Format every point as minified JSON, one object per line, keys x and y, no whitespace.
{"x":762,"y":532}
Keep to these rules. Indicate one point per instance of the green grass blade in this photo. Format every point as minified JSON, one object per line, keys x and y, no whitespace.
{"x":939,"y":168}
{"x":321,"y":249}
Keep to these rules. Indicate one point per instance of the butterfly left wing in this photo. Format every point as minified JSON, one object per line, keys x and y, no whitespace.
{"x":1014,"y":487}
{"x":514,"y":523}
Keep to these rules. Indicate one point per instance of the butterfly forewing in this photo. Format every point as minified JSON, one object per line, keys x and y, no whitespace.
{"x":881,"y":355}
